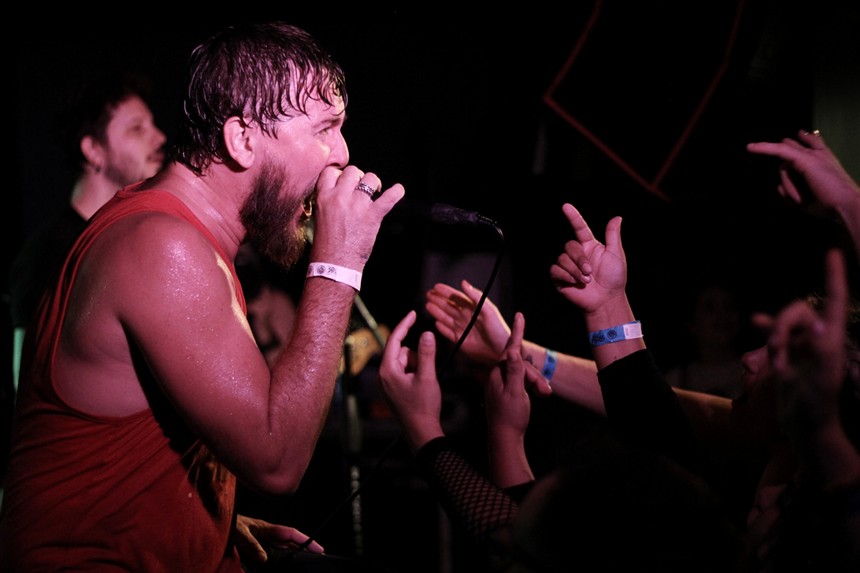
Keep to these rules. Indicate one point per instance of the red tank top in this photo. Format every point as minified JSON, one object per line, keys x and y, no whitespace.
{"x":133,"y":493}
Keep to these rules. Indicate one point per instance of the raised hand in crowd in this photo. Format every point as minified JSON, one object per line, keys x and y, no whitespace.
{"x":812,"y":176}
{"x":508,"y":409}
{"x":452,"y":309}
{"x":807,"y":348}
{"x":593,"y":276}
{"x":485,"y":344}
{"x":408,"y":379}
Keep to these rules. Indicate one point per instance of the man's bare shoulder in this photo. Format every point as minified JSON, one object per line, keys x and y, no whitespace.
{"x":152,"y":254}
{"x":151,"y":233}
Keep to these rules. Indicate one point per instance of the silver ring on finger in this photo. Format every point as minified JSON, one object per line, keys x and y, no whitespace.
{"x":365,"y":188}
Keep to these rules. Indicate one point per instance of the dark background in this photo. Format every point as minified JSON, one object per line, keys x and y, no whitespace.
{"x":650,"y":123}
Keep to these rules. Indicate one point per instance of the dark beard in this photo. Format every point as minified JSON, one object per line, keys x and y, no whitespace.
{"x":269,"y":220}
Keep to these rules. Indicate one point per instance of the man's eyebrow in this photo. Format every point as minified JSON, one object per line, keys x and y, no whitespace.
{"x":332,"y":120}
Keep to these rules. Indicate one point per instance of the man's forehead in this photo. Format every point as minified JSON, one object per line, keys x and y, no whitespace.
{"x":316,"y":105}
{"x":132,"y":103}
{"x":321,"y":114}
{"x":130,"y":109}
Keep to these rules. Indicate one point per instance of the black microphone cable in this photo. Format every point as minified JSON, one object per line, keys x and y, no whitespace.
{"x":477,"y":312}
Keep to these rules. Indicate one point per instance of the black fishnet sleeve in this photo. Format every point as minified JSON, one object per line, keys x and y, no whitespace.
{"x":470,"y":500}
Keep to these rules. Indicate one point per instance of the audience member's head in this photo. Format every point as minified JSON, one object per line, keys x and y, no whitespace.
{"x":91,"y":107}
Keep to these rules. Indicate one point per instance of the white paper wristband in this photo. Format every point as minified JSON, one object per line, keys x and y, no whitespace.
{"x":618,"y":333}
{"x":336,"y":273}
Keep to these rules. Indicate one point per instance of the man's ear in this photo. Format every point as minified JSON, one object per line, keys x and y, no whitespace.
{"x":92,"y":152}
{"x":240,"y":141}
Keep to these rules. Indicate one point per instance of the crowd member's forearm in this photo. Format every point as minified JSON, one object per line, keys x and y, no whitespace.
{"x":418,"y":433}
{"x":507,"y":459}
{"x":829,"y":457}
{"x":574,"y":378}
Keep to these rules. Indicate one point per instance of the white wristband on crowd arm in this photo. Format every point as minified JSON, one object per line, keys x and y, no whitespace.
{"x":615,"y":333}
{"x":336,"y":273}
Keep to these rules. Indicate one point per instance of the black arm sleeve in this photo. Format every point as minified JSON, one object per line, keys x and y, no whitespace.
{"x":643,"y":410}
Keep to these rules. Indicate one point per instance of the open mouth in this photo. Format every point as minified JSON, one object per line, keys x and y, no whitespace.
{"x":308,"y":206}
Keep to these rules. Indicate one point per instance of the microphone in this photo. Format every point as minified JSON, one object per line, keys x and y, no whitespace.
{"x":439,"y":213}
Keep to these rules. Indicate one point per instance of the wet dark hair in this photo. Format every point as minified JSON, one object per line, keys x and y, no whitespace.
{"x":89,"y":109}
{"x":261,"y":72}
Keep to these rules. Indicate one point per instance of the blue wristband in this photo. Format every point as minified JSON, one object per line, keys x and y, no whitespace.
{"x":549,"y":364}
{"x":615,"y":334}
